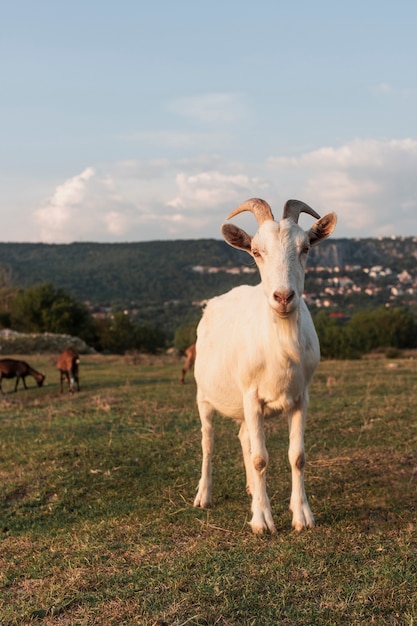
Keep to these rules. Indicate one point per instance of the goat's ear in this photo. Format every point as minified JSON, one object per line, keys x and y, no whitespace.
{"x":236,"y":237}
{"x":322,"y":228}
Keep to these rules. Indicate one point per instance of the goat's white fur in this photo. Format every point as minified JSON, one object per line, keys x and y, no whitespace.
{"x":257,"y":351}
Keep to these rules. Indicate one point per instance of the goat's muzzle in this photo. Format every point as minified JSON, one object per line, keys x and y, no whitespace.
{"x":284,"y":302}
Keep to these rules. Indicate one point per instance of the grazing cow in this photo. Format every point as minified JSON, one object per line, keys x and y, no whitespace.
{"x":12,"y":368}
{"x":67,"y":364}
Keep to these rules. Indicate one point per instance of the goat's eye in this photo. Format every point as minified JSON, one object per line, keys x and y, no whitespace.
{"x":305,"y":249}
{"x":256,"y":253}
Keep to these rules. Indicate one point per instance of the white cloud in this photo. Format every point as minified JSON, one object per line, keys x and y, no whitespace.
{"x":208,"y":190}
{"x":59,"y":215}
{"x":116,"y":223}
{"x":370,"y":184}
{"x":89,"y":206}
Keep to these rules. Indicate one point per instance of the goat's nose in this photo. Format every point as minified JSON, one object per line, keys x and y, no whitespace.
{"x":284,"y":297}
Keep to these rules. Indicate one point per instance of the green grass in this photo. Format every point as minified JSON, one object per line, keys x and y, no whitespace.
{"x":97,"y":524}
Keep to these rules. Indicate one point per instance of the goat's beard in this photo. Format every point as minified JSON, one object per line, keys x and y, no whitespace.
{"x":288,"y":332}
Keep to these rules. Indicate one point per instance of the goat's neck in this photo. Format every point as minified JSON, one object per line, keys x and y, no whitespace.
{"x":287,"y":334}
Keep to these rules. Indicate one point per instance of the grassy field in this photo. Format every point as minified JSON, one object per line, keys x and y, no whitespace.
{"x":97,"y":523}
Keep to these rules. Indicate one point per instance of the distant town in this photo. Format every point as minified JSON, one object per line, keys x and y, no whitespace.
{"x":328,"y":287}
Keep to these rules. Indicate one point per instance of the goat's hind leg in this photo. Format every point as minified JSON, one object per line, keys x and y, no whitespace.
{"x":203,"y":497}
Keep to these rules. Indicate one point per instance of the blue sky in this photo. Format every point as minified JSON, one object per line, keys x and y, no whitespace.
{"x":134,"y":121}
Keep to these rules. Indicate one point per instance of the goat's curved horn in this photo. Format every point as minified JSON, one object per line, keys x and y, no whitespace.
{"x":293,"y":208}
{"x":261,"y":210}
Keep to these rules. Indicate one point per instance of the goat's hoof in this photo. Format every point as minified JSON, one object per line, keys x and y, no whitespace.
{"x":299,"y":526}
{"x":259,"y":526}
{"x":257,"y":530}
{"x":199,"y":503}
{"x":204,"y":505}
{"x":260,"y":530}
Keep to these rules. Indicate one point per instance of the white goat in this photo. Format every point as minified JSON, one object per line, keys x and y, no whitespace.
{"x":257,"y":350}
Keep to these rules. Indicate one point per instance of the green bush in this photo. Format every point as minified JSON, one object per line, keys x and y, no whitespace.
{"x":43,"y":308}
{"x":185,"y":335}
{"x":388,"y":328}
{"x":119,"y":333}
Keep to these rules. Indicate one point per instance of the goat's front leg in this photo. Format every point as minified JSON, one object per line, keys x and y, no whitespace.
{"x":245,"y":444}
{"x":203,"y":497}
{"x":302,"y":515}
{"x":261,"y":508}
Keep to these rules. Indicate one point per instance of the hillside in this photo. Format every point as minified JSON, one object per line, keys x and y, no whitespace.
{"x":105,"y":274}
{"x":160,"y":280}
{"x":160,"y":271}
{"x":399,"y":253}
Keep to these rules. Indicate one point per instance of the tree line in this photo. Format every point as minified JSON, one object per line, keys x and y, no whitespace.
{"x":45,"y":308}
{"x":389,"y":329}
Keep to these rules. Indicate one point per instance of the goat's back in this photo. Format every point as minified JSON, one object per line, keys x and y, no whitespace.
{"x":68,"y":360}
{"x":13,"y":367}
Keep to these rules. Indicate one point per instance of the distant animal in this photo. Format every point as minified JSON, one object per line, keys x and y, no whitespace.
{"x":13,"y":368}
{"x":189,"y":361}
{"x":67,"y":364}
{"x":257,"y":350}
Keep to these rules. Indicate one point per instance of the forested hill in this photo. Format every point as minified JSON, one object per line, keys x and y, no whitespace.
{"x":102,"y":273}
{"x":161,"y":271}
